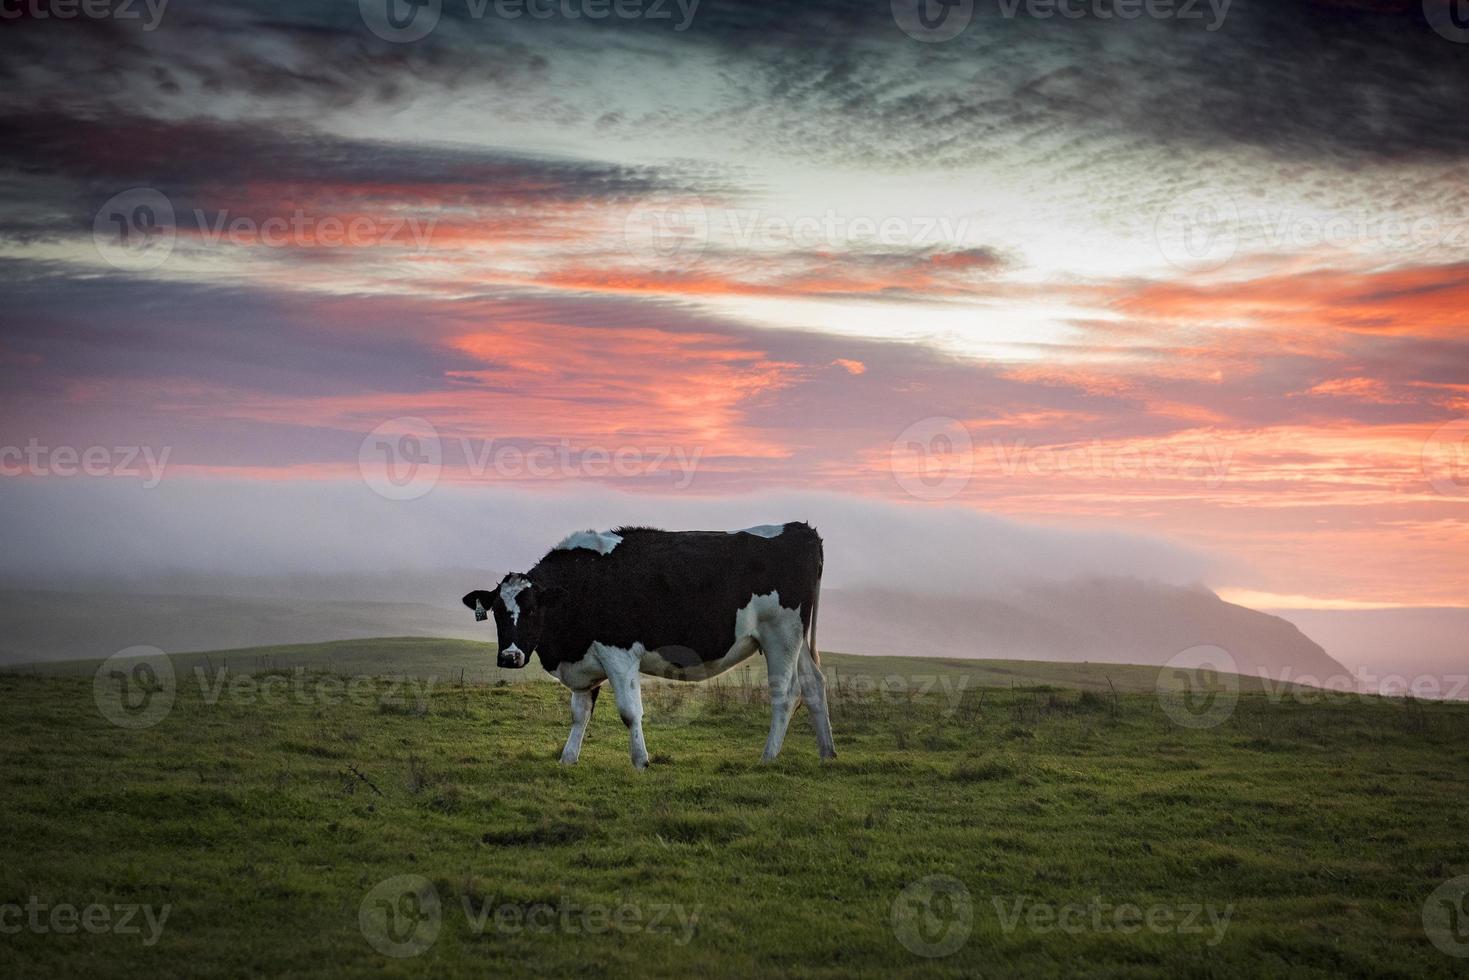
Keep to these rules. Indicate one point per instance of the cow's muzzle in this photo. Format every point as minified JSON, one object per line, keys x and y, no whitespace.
{"x":511,"y":658}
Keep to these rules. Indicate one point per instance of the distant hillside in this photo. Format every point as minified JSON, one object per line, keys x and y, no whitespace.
{"x":1105,"y":621}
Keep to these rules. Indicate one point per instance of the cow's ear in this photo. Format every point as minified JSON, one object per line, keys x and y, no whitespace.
{"x":552,"y":596}
{"x":478,"y":597}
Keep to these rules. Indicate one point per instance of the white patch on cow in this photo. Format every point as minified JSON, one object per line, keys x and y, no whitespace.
{"x":602,"y":543}
{"x":509,"y":591}
{"x":685,"y":665}
{"x":582,"y":674}
{"x":761,"y":608}
{"x":763,"y":530}
{"x":517,"y":653}
{"x":621,"y":666}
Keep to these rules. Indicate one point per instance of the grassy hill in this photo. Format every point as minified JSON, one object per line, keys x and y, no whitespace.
{"x":298,"y":823}
{"x":446,"y":660}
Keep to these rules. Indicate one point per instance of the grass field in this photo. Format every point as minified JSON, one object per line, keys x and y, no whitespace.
{"x":284,"y":822}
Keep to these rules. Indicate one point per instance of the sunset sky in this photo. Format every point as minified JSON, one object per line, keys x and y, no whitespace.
{"x":1206,"y":286}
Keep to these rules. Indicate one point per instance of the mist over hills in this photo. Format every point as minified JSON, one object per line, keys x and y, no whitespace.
{"x":1098,"y":620}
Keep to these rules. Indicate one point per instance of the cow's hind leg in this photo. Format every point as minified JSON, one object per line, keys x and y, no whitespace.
{"x":621,"y":667}
{"x":780,"y":638}
{"x":813,"y":692}
{"x":582,"y":705}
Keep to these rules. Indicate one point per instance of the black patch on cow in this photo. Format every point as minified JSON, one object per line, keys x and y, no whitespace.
{"x":672,"y":591}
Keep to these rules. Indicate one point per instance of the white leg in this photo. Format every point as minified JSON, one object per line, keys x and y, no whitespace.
{"x":582,"y":705}
{"x":622,"y":673}
{"x":813,"y":691}
{"x":782,"y":648}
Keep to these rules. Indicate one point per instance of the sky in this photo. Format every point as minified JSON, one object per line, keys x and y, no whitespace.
{"x":1193,"y":282}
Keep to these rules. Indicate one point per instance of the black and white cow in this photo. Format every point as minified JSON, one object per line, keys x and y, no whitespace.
{"x":684,"y":605}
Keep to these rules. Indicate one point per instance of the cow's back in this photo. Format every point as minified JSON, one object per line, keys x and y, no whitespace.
{"x":676,"y":589}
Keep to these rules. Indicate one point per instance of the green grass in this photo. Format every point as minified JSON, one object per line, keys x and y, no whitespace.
{"x":1319,"y":828}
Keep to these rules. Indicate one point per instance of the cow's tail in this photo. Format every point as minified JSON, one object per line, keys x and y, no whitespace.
{"x":811,"y":638}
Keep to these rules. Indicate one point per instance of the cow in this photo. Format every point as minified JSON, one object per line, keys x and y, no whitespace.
{"x":683,"y":605}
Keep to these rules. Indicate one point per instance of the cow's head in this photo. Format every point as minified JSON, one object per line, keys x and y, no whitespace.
{"x":520,"y":608}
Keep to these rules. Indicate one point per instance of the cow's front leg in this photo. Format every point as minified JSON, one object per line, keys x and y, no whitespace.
{"x":627,"y":687}
{"x":583,"y":703}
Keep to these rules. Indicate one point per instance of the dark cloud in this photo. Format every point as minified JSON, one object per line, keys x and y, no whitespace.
{"x":1299,"y":79}
{"x":101,"y":156}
